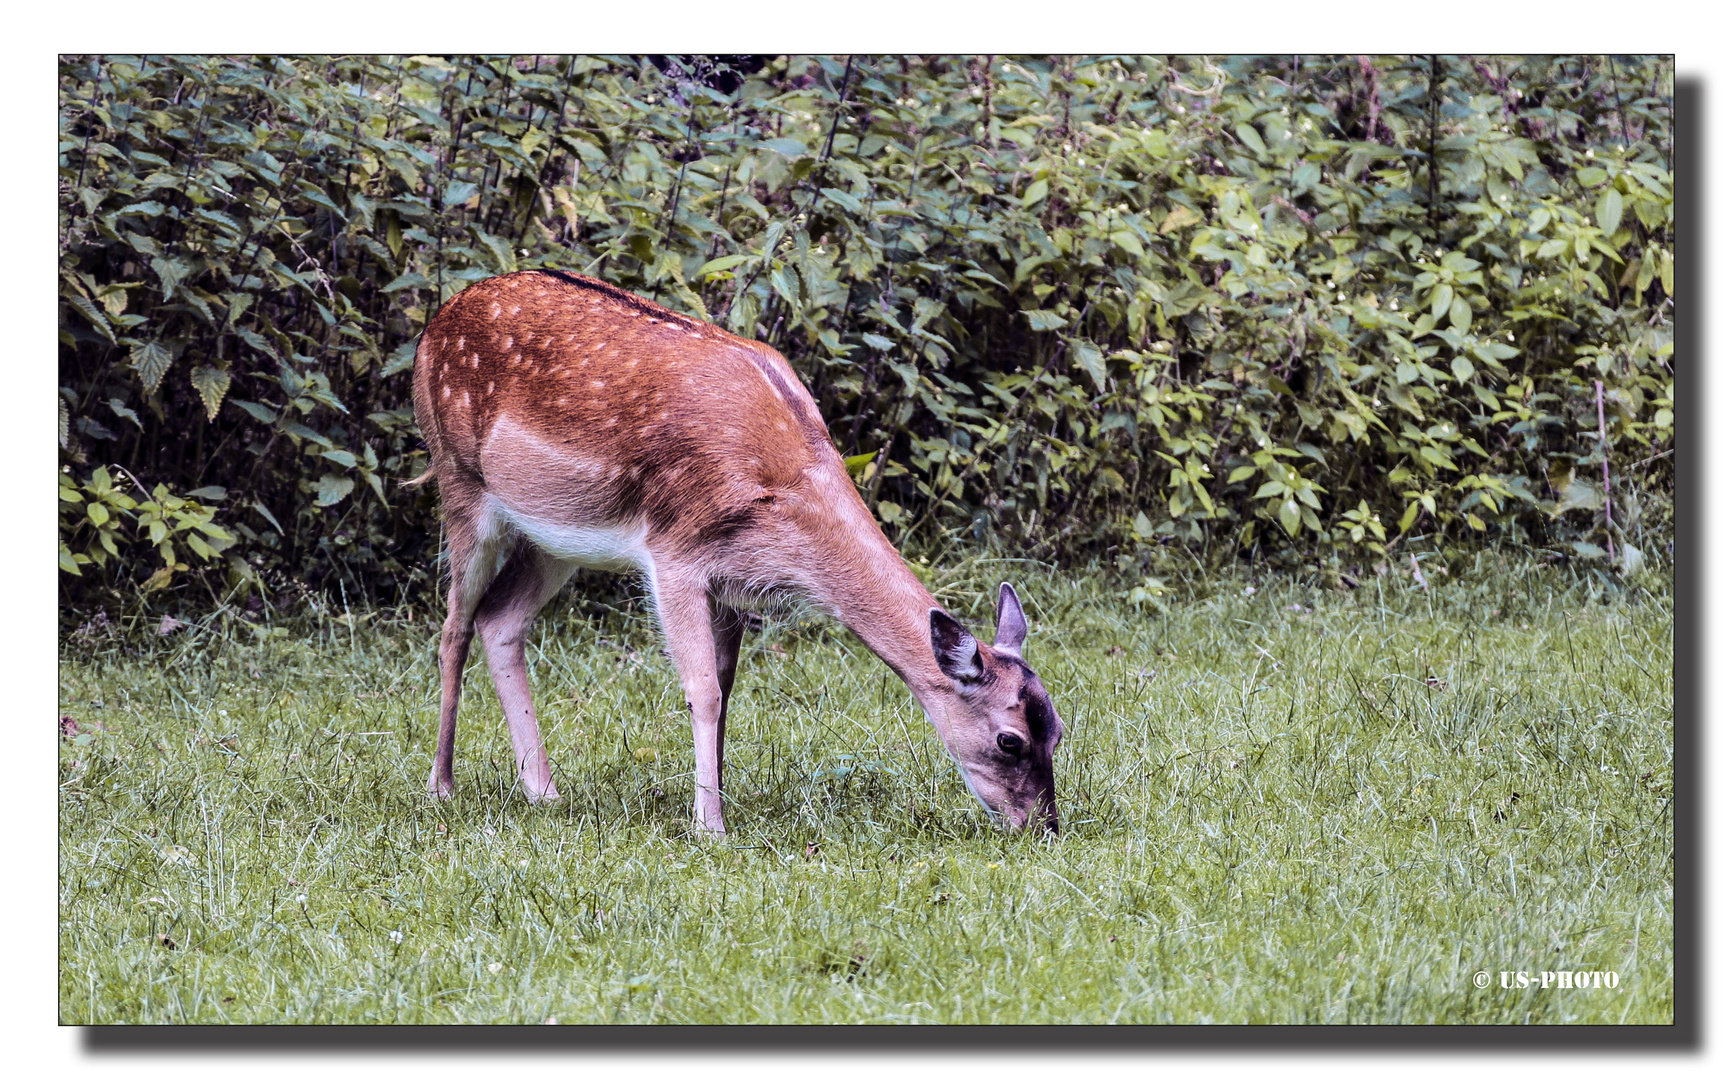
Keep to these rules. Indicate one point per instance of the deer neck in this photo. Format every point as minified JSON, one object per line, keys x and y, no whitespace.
{"x":882,"y":602}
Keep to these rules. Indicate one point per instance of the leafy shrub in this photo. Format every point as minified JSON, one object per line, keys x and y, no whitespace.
{"x":1307,"y":308}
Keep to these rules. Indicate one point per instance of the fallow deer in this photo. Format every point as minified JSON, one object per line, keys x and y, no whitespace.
{"x":572,"y":423}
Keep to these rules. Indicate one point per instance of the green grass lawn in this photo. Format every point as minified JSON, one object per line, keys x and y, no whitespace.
{"x":1280,"y":804}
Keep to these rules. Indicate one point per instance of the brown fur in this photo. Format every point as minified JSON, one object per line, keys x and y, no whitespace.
{"x":568,"y":419}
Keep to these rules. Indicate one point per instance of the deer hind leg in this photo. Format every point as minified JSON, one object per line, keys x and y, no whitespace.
{"x":727,"y":627}
{"x":472,"y":554}
{"x":683,"y":608}
{"x":527,"y":581}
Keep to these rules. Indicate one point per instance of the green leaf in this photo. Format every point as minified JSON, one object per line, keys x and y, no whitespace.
{"x":1034,"y":193}
{"x":726,"y":262}
{"x":1290,"y":515}
{"x":341,"y":457}
{"x":504,"y":259}
{"x":120,"y":410}
{"x":788,"y":148}
{"x":303,"y":431}
{"x":407,"y":281}
{"x":267,"y":515}
{"x":1242,"y":473}
{"x":171,"y":272}
{"x":883,"y":344}
{"x":262,"y":413}
{"x":1578,"y":495}
{"x":98,"y":514}
{"x":151,"y":361}
{"x":402,"y":359}
{"x":1461,"y":317}
{"x":1630,"y":558}
{"x":1609,"y":210}
{"x":1178,"y":218}
{"x":857,"y":464}
{"x":1249,"y":135}
{"x":92,"y":314}
{"x":209,"y":493}
{"x":1086,"y":355}
{"x":333,"y":489}
{"x":844,"y":200}
{"x":1044,"y":320}
{"x":1462,"y":367}
{"x":457,"y":193}
{"x":211,"y":383}
{"x":1141,"y":527}
{"x":1442,"y":295}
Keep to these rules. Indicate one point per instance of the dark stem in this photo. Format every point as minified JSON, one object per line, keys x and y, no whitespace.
{"x":1432,"y":148}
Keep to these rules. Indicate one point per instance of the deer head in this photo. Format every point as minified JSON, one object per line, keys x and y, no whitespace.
{"x":998,"y":723}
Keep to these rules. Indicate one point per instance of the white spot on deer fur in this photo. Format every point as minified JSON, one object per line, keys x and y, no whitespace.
{"x":599,"y":384}
{"x":562,"y":401}
{"x":632,"y":363}
{"x":460,"y":343}
{"x":447,"y":392}
{"x":507,"y":345}
{"x":780,"y":426}
{"x":695,"y":335}
{"x":493,"y":312}
{"x":490,"y":387}
{"x":515,"y":309}
{"x":466,"y":399}
{"x":613,"y":472}
{"x":663,"y":415}
{"x":475,"y":361}
{"x":597,"y":347}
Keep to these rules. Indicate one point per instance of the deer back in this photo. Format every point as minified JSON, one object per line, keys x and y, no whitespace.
{"x":572,"y":401}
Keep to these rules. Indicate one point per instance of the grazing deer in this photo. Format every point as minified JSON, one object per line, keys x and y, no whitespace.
{"x":573,"y":424}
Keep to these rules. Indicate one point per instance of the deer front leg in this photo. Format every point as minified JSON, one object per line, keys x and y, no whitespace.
{"x":684,"y":610}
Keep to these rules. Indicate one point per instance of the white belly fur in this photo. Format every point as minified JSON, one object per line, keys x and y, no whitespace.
{"x":599,"y":547}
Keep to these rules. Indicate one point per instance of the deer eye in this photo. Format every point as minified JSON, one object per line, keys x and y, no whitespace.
{"x":1010,"y":743}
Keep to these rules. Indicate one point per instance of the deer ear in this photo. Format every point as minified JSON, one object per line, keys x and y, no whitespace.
{"x":958,"y":654}
{"x":1012,"y":626}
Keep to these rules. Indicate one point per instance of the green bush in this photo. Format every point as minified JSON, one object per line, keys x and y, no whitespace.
{"x":1307,"y":308}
